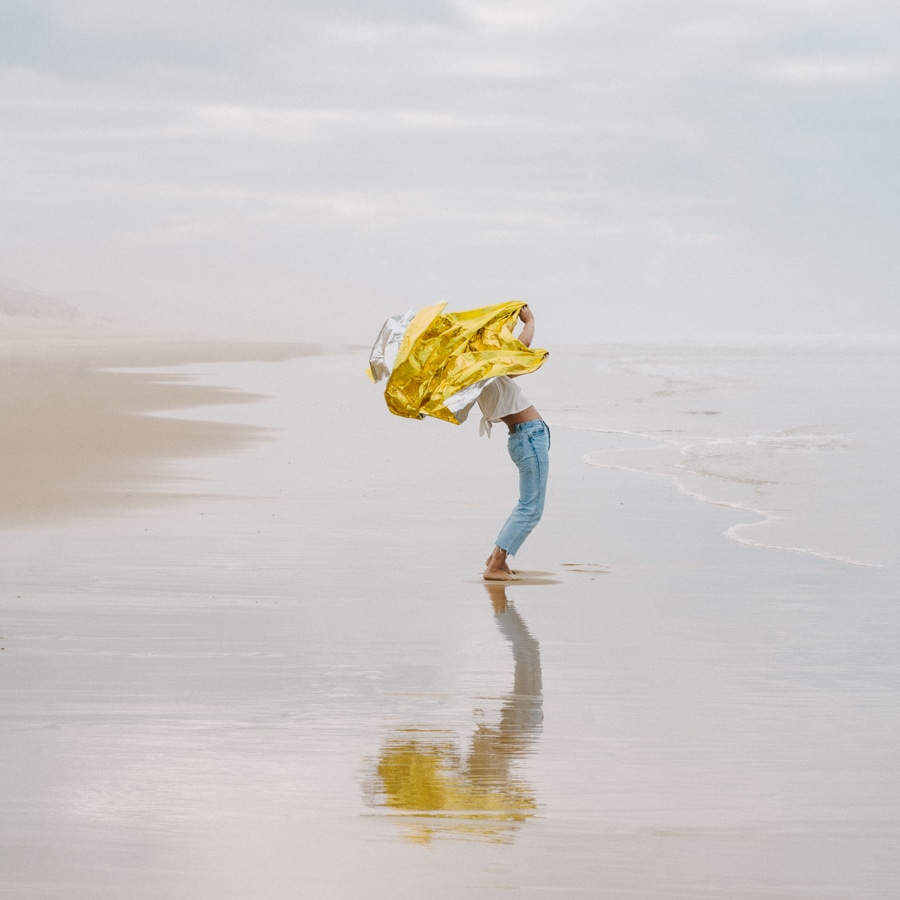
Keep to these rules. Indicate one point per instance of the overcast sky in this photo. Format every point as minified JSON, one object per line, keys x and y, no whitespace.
{"x":632,"y":169}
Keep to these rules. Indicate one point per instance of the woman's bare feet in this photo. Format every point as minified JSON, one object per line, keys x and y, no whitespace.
{"x":503,"y":566}
{"x":496,"y":567}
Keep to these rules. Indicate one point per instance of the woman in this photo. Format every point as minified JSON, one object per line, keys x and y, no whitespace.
{"x":529,"y":446}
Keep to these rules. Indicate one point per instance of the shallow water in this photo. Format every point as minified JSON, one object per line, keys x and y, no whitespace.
{"x":803,"y":436}
{"x":294,"y":682}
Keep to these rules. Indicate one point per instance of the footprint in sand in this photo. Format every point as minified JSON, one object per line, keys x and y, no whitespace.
{"x":587,"y":568}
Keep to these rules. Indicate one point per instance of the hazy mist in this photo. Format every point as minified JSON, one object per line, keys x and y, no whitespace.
{"x":634,"y":170}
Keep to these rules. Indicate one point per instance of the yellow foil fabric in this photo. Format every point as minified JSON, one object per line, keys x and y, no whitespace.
{"x":442,"y":353}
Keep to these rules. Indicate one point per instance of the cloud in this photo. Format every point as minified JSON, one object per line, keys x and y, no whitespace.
{"x":831,"y":72}
{"x":692,"y":155}
{"x":529,"y":16}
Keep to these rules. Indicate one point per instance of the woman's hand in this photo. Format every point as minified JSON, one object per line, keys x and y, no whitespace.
{"x":526,"y":316}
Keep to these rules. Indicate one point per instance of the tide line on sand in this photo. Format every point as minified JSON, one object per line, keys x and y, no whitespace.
{"x":78,"y":437}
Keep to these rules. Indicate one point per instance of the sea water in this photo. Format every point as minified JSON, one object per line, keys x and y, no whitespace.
{"x":801,"y":434}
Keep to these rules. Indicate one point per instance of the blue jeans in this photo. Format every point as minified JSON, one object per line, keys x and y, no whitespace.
{"x":529,"y":449}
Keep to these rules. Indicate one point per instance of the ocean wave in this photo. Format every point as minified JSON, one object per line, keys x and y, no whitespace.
{"x":740,"y":461}
{"x":732,"y":534}
{"x":807,"y":437}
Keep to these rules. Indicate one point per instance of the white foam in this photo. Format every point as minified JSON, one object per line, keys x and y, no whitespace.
{"x":800,"y":439}
{"x":732,"y":534}
{"x":807,"y":437}
{"x":766,"y":517}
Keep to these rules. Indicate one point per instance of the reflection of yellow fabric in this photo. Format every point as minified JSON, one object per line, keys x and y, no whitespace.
{"x":441,"y":353}
{"x":430,"y":777}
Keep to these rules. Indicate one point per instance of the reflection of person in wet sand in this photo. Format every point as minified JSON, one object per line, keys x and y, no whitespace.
{"x":522,"y":711}
{"x":529,"y":449}
{"x":429,"y":775}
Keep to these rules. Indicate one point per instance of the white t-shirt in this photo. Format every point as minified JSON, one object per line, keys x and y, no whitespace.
{"x":500,"y":398}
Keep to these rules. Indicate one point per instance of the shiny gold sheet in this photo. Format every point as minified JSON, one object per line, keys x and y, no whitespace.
{"x":443,"y":353}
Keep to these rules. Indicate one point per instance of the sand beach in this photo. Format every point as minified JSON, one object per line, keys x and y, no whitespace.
{"x":77,"y":431}
{"x":246,"y":651}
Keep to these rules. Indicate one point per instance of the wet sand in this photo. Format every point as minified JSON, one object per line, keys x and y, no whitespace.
{"x":291,"y":681}
{"x":78,"y":435}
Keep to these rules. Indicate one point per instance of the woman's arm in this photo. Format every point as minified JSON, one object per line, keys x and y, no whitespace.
{"x":526,"y":316}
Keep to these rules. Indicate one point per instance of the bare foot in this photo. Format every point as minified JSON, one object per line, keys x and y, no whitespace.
{"x":498,"y":575}
{"x":496,"y":567}
{"x":502,"y":566}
